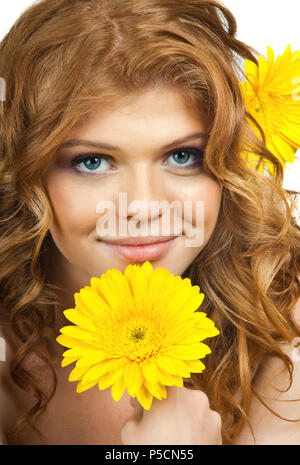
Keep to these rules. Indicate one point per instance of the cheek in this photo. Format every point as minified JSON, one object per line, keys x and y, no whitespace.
{"x":212,"y":196}
{"x":204,"y":215}
{"x":74,"y":206}
{"x":202,"y":194}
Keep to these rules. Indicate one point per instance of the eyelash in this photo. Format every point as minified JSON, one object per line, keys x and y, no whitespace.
{"x":198,"y":153}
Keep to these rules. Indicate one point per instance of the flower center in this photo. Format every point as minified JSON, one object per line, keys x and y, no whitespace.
{"x":139,"y":339}
{"x":138,"y":334}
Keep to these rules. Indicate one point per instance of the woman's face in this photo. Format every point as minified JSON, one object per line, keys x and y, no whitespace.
{"x":147,"y":165}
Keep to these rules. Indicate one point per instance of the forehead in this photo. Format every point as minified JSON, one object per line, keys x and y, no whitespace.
{"x":161,"y":107}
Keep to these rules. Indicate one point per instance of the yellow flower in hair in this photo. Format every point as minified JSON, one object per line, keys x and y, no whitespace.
{"x":139,"y":331}
{"x":272,"y":96}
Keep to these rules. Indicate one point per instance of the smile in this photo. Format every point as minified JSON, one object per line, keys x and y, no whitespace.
{"x":142,"y":252}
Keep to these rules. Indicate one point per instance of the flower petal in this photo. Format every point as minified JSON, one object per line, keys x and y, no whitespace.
{"x":250,"y":69}
{"x":173,"y":365}
{"x":189,"y":352}
{"x":118,"y":389}
{"x":108,"y":379}
{"x":77,"y":373}
{"x":94,"y":373}
{"x":67,"y":361}
{"x":147,"y":270}
{"x":90,"y":302}
{"x":85,"y":387}
{"x":157,"y":390}
{"x":179,"y":302}
{"x":144,"y":397}
{"x":78,"y":319}
{"x":79,"y":333}
{"x":114,"y":288}
{"x":133,"y":375}
{"x":291,"y":134}
{"x":101,"y":368}
{"x":74,"y":343}
{"x":90,"y":358}
{"x":165,"y":377}
{"x":150,"y":371}
{"x":195,"y":366}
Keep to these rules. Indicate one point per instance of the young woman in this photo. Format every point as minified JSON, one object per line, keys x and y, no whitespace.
{"x":143,"y":98}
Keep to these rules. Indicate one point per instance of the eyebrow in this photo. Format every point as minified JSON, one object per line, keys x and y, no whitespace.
{"x":102,"y":145}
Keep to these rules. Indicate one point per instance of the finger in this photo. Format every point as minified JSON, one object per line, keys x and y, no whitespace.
{"x":165,"y":404}
{"x":137,"y":414}
{"x":128,"y":433}
{"x":189,"y":397}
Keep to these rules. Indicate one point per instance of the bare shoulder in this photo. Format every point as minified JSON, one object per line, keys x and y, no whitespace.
{"x":275,"y":370}
{"x":278,"y":392}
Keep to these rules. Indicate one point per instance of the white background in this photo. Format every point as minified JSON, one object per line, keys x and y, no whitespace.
{"x":260,"y":23}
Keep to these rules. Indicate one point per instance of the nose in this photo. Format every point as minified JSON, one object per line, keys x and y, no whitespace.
{"x":143,"y":186}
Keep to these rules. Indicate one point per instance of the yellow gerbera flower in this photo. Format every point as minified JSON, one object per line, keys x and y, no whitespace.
{"x":271,"y":98}
{"x":138,"y":331}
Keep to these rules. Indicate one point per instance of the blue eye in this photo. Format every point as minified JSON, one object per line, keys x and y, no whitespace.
{"x":91,"y":163}
{"x":182,"y":156}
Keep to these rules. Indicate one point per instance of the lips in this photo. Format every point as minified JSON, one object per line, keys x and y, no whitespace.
{"x":141,"y":240}
{"x":142,"y":252}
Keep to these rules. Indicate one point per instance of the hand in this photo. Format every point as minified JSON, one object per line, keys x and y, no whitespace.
{"x":184,"y":417}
